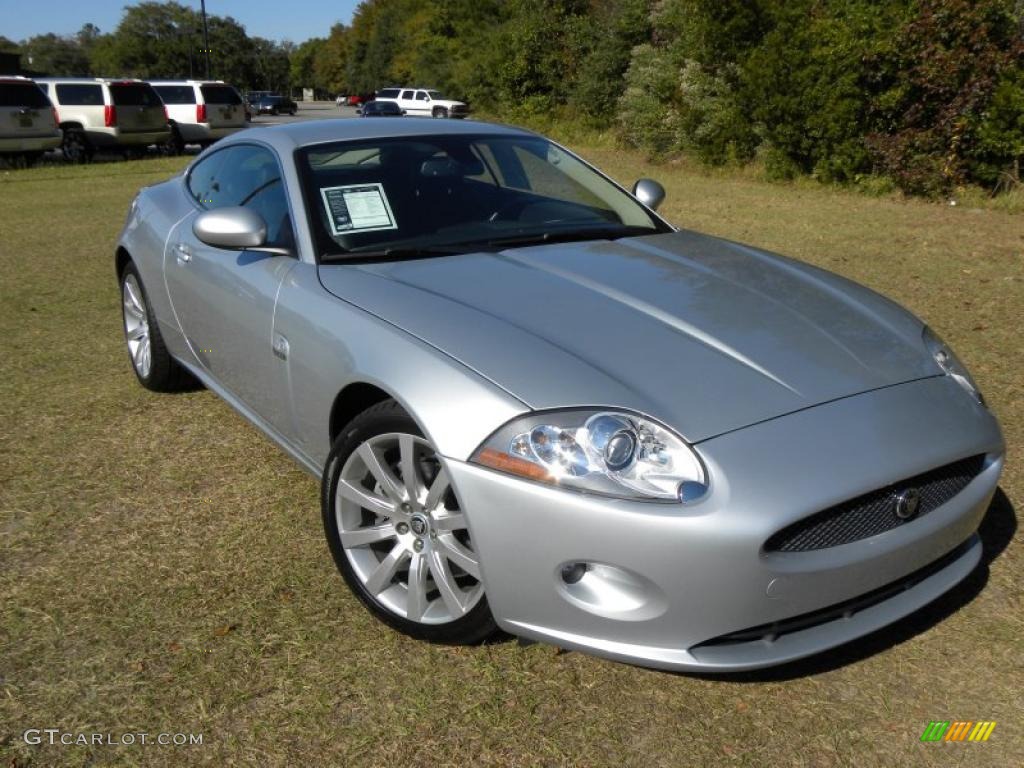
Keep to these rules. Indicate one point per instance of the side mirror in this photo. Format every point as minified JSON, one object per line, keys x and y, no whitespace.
{"x":235,"y":229}
{"x":649,"y":192}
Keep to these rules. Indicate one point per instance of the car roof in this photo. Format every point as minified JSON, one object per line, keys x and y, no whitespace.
{"x":186,"y":82}
{"x":91,"y":80}
{"x":289,"y":136}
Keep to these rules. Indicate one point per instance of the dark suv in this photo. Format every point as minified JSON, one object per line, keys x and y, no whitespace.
{"x":275,"y":104}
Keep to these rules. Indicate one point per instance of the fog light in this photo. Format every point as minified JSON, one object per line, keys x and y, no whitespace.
{"x":573,"y":572}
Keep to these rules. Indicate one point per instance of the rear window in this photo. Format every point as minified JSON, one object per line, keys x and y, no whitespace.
{"x":134,"y":95}
{"x":80,"y":95}
{"x":176,"y":94}
{"x":22,"y":95}
{"x":220,"y":94}
{"x":388,"y":93}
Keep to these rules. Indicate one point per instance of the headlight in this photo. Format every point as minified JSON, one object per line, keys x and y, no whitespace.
{"x":950,"y":363}
{"x":597,"y":451}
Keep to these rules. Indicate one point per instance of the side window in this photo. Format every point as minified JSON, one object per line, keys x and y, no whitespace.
{"x":249,"y":176}
{"x":176,"y":94}
{"x":406,"y":94}
{"x":421,"y":95}
{"x":204,"y":180}
{"x":81,"y":95}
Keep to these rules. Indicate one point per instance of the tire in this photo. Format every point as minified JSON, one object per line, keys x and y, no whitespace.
{"x":293,"y":112}
{"x":147,"y":353}
{"x":75,"y":146}
{"x":440,"y":112}
{"x":174,"y":145}
{"x":378,"y":547}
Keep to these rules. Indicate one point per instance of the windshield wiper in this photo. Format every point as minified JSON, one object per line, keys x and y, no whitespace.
{"x":401,"y":252}
{"x":568,"y":236}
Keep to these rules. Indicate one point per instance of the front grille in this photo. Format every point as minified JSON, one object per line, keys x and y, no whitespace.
{"x":844,"y":610}
{"x":875,"y":512}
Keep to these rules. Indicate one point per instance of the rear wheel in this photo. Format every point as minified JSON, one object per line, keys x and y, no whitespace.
{"x":174,"y":145}
{"x":152,"y":363}
{"x":397,"y":532}
{"x":75,"y":146}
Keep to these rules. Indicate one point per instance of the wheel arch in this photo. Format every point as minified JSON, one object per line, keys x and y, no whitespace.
{"x":352,"y":400}
{"x":121,"y":260}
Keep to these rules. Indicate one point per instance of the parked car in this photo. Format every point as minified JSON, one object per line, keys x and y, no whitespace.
{"x":535,"y":404}
{"x":28,"y":121}
{"x":200,"y":111}
{"x":103,"y":113}
{"x":355,"y":99}
{"x":341,"y":100}
{"x":275,"y":104}
{"x":380,"y":109}
{"x":424,"y":102}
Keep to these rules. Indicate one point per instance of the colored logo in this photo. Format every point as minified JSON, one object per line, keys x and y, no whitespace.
{"x":958,"y":730}
{"x":907,"y":503}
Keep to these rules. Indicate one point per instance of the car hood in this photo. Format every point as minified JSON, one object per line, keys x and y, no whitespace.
{"x":700,"y":333}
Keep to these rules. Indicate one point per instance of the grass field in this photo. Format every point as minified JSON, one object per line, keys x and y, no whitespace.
{"x":163,"y":569}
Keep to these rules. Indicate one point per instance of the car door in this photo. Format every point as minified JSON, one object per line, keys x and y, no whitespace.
{"x":224,"y":299}
{"x":407,"y":101}
{"x":422,"y":101}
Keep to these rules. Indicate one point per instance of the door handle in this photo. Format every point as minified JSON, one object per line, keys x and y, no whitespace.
{"x":279,"y":345}
{"x":183,"y":252}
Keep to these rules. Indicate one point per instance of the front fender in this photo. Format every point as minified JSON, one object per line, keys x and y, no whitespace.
{"x":333,"y":343}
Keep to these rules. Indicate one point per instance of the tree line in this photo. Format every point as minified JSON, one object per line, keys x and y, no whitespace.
{"x":160,"y":40}
{"x":928,"y":94}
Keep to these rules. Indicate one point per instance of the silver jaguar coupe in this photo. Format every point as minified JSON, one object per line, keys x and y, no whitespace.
{"x":535,"y":405}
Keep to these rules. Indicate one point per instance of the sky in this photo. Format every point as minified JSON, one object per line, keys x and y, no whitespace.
{"x":300,"y":20}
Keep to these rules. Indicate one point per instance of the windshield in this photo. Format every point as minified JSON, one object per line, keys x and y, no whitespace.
{"x":411,"y":196}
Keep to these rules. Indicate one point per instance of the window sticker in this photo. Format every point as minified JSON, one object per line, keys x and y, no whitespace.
{"x":357,"y":208}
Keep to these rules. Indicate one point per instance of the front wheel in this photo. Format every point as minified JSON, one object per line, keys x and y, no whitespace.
{"x":397,"y":532}
{"x":152,"y":363}
{"x":440,"y":112}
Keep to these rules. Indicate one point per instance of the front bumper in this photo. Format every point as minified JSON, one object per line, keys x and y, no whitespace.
{"x":667,"y":582}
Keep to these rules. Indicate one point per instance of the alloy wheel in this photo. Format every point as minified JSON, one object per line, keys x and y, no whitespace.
{"x":136,"y":326}
{"x":403,"y":533}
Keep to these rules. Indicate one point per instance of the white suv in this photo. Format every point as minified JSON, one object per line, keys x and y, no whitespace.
{"x":102,"y":113}
{"x":28,"y":121}
{"x":424,"y":102}
{"x":200,"y":111}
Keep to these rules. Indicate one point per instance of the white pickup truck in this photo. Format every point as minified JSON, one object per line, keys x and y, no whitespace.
{"x":424,"y":102}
